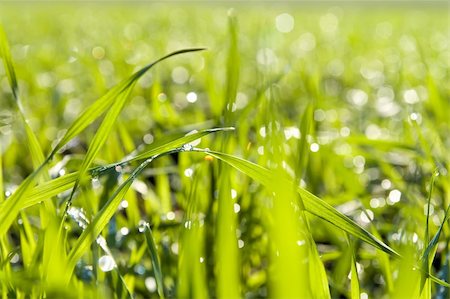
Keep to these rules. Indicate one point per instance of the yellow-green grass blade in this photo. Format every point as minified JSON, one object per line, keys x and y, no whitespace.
{"x":430,"y":250}
{"x":226,"y":243}
{"x":312,"y":203}
{"x":192,"y":278}
{"x":355,"y":292}
{"x":151,"y":246}
{"x":102,"y":104}
{"x":227,"y":255}
{"x":164,"y":144}
{"x":56,"y":186}
{"x":100,"y":220}
{"x":101,"y":136}
{"x":5,"y":53}
{"x":37,"y":156}
{"x":429,"y":253}
{"x":108,"y":122}
{"x":12,"y":206}
{"x":2,"y":194}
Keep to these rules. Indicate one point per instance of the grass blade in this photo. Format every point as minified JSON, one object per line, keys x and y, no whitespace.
{"x":312,"y":203}
{"x":151,"y":246}
{"x":101,"y":105}
{"x":5,"y":53}
{"x":121,"y":97}
{"x":56,"y":186}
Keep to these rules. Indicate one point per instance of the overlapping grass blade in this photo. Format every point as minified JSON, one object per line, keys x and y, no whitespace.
{"x":101,"y":219}
{"x":37,"y":155}
{"x":427,"y":256}
{"x":312,"y":203}
{"x":5,"y":53}
{"x":9,"y":213}
{"x":56,"y":186}
{"x":102,"y":104}
{"x":354,"y":280}
{"x":121,"y":98}
{"x":430,"y":251}
{"x":155,"y":259}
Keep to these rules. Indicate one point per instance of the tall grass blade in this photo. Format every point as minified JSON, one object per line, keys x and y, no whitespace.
{"x":427,"y":257}
{"x":121,"y":97}
{"x":312,"y":203}
{"x":155,"y":259}
{"x":5,"y":53}
{"x":226,"y":243}
{"x":15,"y":202}
{"x":430,"y":251}
{"x":102,"y":104}
{"x":56,"y":186}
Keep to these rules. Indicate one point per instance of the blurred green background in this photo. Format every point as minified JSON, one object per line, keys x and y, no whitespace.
{"x":352,"y":100}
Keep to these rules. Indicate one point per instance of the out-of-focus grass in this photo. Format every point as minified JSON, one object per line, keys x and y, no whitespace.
{"x":349,"y":103}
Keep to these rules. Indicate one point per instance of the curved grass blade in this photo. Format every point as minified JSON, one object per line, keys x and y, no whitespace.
{"x":312,"y":203}
{"x":427,"y":255}
{"x":7,"y":62}
{"x":56,"y":186}
{"x":121,"y":98}
{"x":430,"y":252}
{"x":101,"y":105}
{"x":37,"y":156}
{"x":11,"y":207}
{"x":151,"y":246}
{"x":102,"y":218}
{"x":169,"y":143}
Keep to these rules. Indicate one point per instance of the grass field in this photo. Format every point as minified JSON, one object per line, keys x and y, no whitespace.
{"x":194,"y":150}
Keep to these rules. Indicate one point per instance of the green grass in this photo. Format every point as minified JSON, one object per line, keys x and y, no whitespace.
{"x":305,"y":161}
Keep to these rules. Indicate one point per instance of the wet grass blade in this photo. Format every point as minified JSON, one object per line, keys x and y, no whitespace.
{"x":5,"y":53}
{"x":101,"y":219}
{"x":121,"y":97}
{"x":56,"y":186}
{"x":151,"y":246}
{"x":102,"y":104}
{"x":430,"y":251}
{"x":427,"y":255}
{"x":312,"y":203}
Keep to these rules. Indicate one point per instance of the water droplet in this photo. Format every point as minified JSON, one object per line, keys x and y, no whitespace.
{"x":314,"y":147}
{"x":188,"y":224}
{"x":174,"y":247}
{"x":236,"y":208}
{"x":187,"y":147}
{"x":118,"y":168}
{"x":150,"y":284}
{"x":124,"y":231}
{"x":123,"y":204}
{"x":202,"y":259}
{"x":301,"y":242}
{"x":191,"y":97}
{"x":15,"y":258}
{"x":170,"y":216}
{"x":142,"y":226}
{"x":261,"y":150}
{"x":241,"y":243}
{"x":188,"y":172}
{"x":106,"y":263}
